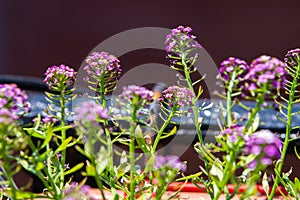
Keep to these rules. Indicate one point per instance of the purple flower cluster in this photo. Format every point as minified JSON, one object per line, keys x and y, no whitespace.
{"x":90,"y":112}
{"x":47,"y":119}
{"x":172,"y":162}
{"x":265,"y":146}
{"x":13,"y":102}
{"x":6,"y":117}
{"x":102,"y":63}
{"x":60,"y":76}
{"x":180,"y":37}
{"x":265,"y":71}
{"x":233,"y":133}
{"x":231,"y":64}
{"x":292,"y":58}
{"x":179,"y":96}
{"x":141,"y":95}
{"x":76,"y":192}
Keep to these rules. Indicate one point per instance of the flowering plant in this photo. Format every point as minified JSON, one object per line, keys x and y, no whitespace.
{"x":120,"y":135}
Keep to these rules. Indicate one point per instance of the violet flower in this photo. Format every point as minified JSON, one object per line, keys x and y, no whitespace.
{"x":180,"y":40}
{"x":102,"y":64}
{"x":231,"y":64}
{"x":179,"y":96}
{"x":49,"y":119}
{"x":265,"y":73}
{"x":172,"y":162}
{"x":13,"y":100}
{"x":138,"y":95}
{"x":265,"y":146}
{"x":60,"y":76}
{"x":292,"y":58}
{"x":90,"y":112}
{"x":75,"y":191}
{"x":231,"y":136}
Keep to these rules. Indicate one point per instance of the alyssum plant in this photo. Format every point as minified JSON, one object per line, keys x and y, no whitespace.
{"x":118,"y":133}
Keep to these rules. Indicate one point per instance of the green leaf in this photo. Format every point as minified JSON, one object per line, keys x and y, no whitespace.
{"x":26,"y":166}
{"x":102,"y":160}
{"x":124,"y":166}
{"x":90,"y":170}
{"x":39,"y":166}
{"x":254,"y":125}
{"x":48,"y":138}
{"x":61,"y":128}
{"x":74,"y":169}
{"x":35,"y":133}
{"x":23,"y":194}
{"x":63,"y":145}
{"x":265,"y":184}
{"x":80,"y":150}
{"x":173,"y":132}
{"x":200,"y":91}
{"x":141,"y":140}
{"x":189,"y":177}
{"x":296,"y":152}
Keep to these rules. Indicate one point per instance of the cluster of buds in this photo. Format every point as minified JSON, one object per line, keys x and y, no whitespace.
{"x":232,"y":65}
{"x":90,"y":112}
{"x":178,"y":96}
{"x":172,"y":162}
{"x":75,"y":191}
{"x":103,"y":70}
{"x":292,"y":58}
{"x":266,"y":73}
{"x":137,"y":95}
{"x":13,"y":102}
{"x":60,"y":77}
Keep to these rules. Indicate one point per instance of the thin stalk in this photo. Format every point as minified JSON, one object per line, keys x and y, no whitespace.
{"x":108,"y":136}
{"x":229,"y":98}
{"x":7,"y":169}
{"x":195,"y":108}
{"x":287,"y":132}
{"x":99,"y":183}
{"x":50,"y":175}
{"x":161,"y":130}
{"x":227,"y":174}
{"x":131,"y":153}
{"x":254,"y":112}
{"x":63,"y":136}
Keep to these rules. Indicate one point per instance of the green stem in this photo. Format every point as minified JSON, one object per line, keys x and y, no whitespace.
{"x":50,"y":175}
{"x":131,"y":153}
{"x":161,"y":130}
{"x":287,"y":132}
{"x":99,"y":182}
{"x":195,"y":108}
{"x":63,"y":137}
{"x":254,"y":112}
{"x":229,"y":98}
{"x":108,"y":141}
{"x":7,"y":168}
{"x":228,"y":172}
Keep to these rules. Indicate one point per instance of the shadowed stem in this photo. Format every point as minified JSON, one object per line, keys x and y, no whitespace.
{"x":63,"y":135}
{"x":228,"y":171}
{"x":108,"y":139}
{"x":229,"y":98}
{"x":254,"y":112}
{"x":7,"y":167}
{"x":132,"y":152}
{"x":287,"y":132}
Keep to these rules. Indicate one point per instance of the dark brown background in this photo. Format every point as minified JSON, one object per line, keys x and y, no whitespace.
{"x":37,"y":34}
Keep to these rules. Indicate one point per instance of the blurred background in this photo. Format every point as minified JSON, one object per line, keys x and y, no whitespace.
{"x":37,"y":34}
